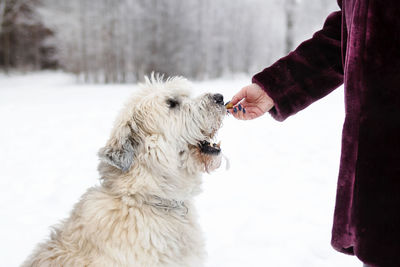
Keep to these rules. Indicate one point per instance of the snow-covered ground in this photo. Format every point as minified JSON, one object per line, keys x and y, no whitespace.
{"x":274,"y":206}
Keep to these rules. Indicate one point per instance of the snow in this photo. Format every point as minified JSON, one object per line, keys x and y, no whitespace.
{"x":273,"y":207}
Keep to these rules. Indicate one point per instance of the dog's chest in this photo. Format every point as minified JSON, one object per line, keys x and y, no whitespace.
{"x":144,"y":238}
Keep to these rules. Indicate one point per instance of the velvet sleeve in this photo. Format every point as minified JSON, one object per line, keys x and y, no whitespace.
{"x":307,"y":74}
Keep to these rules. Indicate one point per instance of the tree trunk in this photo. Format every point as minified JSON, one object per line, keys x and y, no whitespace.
{"x":289,"y":12}
{"x":6,"y":51}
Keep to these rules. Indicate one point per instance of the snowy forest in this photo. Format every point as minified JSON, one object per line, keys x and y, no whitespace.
{"x":118,"y":41}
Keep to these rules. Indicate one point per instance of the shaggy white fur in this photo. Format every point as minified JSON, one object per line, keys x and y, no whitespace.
{"x":143,"y":213}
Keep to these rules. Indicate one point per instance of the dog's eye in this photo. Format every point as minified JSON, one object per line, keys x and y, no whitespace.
{"x":172,"y":103}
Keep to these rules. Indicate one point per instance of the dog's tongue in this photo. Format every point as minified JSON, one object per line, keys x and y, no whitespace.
{"x":207,"y":148}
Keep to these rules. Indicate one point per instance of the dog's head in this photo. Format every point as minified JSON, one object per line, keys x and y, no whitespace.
{"x":165,"y":131}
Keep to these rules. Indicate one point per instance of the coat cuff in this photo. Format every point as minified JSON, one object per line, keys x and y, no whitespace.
{"x":275,"y":111}
{"x":287,"y":97}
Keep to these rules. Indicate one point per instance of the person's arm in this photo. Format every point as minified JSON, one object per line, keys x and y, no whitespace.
{"x":309,"y":73}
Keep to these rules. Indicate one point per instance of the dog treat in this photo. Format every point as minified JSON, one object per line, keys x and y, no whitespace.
{"x":229,"y":105}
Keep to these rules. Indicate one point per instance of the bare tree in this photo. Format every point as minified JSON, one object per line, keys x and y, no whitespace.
{"x":22,"y":36}
{"x":290,"y":10}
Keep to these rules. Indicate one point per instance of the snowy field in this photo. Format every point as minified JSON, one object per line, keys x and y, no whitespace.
{"x":274,"y":207}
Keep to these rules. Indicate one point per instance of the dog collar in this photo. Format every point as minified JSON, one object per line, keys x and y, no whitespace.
{"x":167,"y":205}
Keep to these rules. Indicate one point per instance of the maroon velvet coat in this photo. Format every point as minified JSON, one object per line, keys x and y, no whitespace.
{"x":360,"y":46}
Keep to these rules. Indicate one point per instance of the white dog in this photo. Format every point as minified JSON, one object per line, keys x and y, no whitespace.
{"x":143,"y":213}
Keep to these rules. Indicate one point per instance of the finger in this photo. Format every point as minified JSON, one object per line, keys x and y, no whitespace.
{"x":239,"y":96}
{"x":252,"y":116}
{"x":240,"y":114}
{"x":234,"y":112}
{"x":244,"y":104}
{"x":239,"y":107}
{"x":249,"y":115}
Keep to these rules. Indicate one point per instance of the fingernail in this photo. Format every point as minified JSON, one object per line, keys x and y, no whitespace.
{"x":235,"y":109}
{"x":244,"y":110}
{"x":240,"y":107}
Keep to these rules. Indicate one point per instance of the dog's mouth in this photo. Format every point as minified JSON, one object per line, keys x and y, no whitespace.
{"x":209,"y":148}
{"x":209,"y":145}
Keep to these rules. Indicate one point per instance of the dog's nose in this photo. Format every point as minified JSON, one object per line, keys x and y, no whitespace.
{"x":219,"y":99}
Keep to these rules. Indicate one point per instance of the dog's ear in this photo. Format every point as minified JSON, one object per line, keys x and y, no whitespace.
{"x":120,"y":149}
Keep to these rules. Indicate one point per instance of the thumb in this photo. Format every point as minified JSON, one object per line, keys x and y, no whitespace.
{"x":239,"y":96}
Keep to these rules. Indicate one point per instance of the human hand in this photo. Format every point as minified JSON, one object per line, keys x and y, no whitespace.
{"x":251,"y":102}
